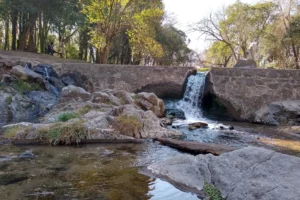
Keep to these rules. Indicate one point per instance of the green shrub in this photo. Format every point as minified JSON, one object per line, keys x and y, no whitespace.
{"x":128,"y":125}
{"x":64,"y":117}
{"x":212,"y":192}
{"x":64,"y":134}
{"x":23,"y":87}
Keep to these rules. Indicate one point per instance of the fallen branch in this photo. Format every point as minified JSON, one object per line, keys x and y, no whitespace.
{"x":195,"y":147}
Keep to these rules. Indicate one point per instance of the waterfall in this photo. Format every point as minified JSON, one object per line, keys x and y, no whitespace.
{"x":190,"y":103}
{"x":46,"y":73}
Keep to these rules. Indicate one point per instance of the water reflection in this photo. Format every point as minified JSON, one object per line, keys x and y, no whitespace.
{"x":109,"y":172}
{"x":161,"y":190}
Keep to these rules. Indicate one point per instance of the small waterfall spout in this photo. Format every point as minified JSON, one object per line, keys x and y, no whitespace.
{"x":190,"y":104}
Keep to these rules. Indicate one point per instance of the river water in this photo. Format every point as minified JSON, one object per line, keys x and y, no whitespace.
{"x":116,"y":171}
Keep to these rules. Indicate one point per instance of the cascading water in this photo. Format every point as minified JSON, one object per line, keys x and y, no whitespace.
{"x":190,"y":104}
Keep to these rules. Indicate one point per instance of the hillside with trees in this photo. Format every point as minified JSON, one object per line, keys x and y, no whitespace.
{"x":110,"y":31}
{"x":272,"y":25}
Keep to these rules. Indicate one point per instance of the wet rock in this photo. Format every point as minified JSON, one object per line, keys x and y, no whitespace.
{"x":197,"y":125}
{"x":149,"y":101}
{"x":73,"y":93}
{"x":8,"y":78}
{"x":279,"y":113}
{"x":15,"y":107}
{"x":44,"y":99}
{"x":77,"y":79}
{"x":57,"y":83}
{"x":250,"y":173}
{"x":26,"y":155}
{"x":11,"y":178}
{"x":45,"y":71}
{"x":26,"y":74}
{"x":165,"y":122}
{"x":175,"y":113}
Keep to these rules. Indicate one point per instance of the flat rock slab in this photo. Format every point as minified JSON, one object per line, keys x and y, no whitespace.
{"x":250,"y":173}
{"x":195,"y":147}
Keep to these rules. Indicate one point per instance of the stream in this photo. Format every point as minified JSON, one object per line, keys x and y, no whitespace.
{"x":117,"y":171}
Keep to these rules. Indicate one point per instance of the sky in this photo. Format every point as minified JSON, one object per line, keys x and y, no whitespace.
{"x":188,"y":12}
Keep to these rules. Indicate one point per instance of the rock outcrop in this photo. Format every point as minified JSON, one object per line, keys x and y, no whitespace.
{"x":26,"y":74}
{"x":279,"y":113}
{"x":249,"y":173}
{"x":73,"y":93}
{"x":103,"y":116}
{"x":149,"y":101}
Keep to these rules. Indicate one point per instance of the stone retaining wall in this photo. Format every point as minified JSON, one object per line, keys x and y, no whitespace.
{"x":163,"y":81}
{"x":244,"y":91}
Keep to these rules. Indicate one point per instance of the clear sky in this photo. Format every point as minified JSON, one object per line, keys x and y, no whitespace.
{"x":190,"y":11}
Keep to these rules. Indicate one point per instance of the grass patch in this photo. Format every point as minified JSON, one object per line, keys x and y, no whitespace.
{"x":23,"y":87}
{"x":128,"y":125}
{"x":8,"y":100}
{"x":203,"y":69}
{"x":212,"y":192}
{"x":64,"y":134}
{"x":122,"y":101}
{"x":10,"y":133}
{"x":64,"y":117}
{"x":84,"y":110}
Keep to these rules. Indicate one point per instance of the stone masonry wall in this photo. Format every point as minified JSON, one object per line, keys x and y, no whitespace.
{"x":163,"y":81}
{"x":244,"y":91}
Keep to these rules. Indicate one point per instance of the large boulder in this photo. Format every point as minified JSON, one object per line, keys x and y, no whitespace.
{"x":73,"y":93}
{"x":15,"y":107}
{"x":149,"y":101}
{"x":279,"y":113}
{"x":250,"y":173}
{"x":46,"y":71}
{"x":26,"y":74}
{"x":175,"y":113}
{"x":149,"y":123}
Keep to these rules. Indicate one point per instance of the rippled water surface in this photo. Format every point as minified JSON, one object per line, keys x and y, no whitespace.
{"x":90,"y":172}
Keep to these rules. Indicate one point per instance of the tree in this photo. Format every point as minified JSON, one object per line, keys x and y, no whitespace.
{"x":142,"y":36}
{"x":218,"y":54}
{"x":174,"y":44}
{"x":110,"y":16}
{"x":237,"y":25}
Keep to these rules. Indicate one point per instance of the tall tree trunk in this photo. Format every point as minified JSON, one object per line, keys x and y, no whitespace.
{"x":227,"y":59}
{"x":41,"y":35}
{"x":14,"y":24}
{"x":6,"y":43}
{"x":104,"y":55}
{"x":296,"y":55}
{"x":31,"y":42}
{"x":27,"y":34}
{"x":85,"y":54}
{"x":98,"y":56}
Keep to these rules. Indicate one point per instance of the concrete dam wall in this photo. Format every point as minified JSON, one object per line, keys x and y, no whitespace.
{"x":165,"y":82}
{"x":244,"y":91}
